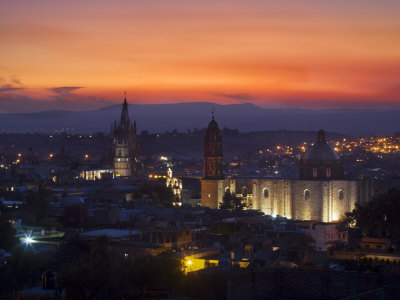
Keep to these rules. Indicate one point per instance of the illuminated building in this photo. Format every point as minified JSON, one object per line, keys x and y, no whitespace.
{"x":125,"y":148}
{"x":211,"y":184}
{"x":96,"y":174}
{"x":321,"y":193}
{"x":175,"y":184}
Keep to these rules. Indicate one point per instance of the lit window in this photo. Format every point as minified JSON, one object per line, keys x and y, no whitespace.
{"x":328,"y":172}
{"x":340,"y":194}
{"x":266,"y":193}
{"x":244,"y":191}
{"x":307,"y":195}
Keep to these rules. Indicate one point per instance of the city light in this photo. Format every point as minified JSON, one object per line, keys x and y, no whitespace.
{"x":28,"y":240}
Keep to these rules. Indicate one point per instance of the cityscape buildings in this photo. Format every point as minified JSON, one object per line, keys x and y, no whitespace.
{"x":321,"y":192}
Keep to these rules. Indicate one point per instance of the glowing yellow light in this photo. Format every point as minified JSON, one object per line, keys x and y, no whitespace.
{"x":86,"y":156}
{"x":51,"y":155}
{"x":189,"y":262}
{"x":19,"y":154}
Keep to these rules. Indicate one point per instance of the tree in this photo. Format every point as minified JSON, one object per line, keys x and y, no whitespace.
{"x":37,"y":204}
{"x":159,"y":191}
{"x":232,"y":203}
{"x":90,"y":276}
{"x":7,"y":236}
{"x":94,"y":274}
{"x":378,"y":218}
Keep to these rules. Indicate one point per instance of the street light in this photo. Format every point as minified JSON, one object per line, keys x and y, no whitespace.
{"x":28,"y":240}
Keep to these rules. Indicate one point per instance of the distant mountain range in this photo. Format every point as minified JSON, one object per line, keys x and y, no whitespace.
{"x":183,"y":116}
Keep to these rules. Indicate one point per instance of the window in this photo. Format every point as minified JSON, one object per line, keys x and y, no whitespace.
{"x":266,"y":193}
{"x":328,"y":172}
{"x":307,"y":195}
{"x":340,"y":194}
{"x":314,"y":172}
{"x":244,"y":191}
{"x":227,"y":190}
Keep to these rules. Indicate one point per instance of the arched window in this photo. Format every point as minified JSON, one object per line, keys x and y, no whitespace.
{"x":227,"y":190}
{"x":266,"y":193}
{"x":307,"y":195}
{"x":340,"y":194}
{"x":244,"y":191}
{"x":328,"y":172}
{"x":314,"y":172}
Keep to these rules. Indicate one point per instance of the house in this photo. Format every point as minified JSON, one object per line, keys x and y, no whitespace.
{"x":324,"y":234}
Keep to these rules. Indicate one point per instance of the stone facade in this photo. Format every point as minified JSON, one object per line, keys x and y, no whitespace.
{"x":321,"y":193}
{"x":323,"y":200}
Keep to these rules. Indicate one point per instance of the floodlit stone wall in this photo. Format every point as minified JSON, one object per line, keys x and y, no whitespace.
{"x":326,"y":201}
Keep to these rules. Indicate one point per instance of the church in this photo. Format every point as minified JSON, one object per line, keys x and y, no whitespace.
{"x":125,"y":148}
{"x":320,"y":193}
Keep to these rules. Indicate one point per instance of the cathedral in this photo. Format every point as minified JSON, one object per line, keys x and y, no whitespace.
{"x":321,"y":192}
{"x":125,"y":147}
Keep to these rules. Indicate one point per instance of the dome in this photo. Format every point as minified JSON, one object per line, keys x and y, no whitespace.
{"x":321,"y":151}
{"x":213,"y":124}
{"x":31,"y":154}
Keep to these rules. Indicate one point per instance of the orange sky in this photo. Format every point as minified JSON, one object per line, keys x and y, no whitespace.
{"x":312,"y":54}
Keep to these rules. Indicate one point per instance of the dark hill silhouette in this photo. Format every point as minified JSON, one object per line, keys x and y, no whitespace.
{"x":183,"y":116}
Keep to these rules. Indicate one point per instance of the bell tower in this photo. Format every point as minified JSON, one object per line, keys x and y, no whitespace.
{"x":125,"y":147}
{"x":212,"y":166}
{"x":212,"y":159}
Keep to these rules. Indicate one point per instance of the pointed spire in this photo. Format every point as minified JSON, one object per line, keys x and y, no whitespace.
{"x":212,"y":112}
{"x":125,"y":121}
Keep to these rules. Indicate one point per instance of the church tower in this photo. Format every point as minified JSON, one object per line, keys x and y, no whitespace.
{"x":212,"y":166}
{"x":212,"y":160}
{"x":125,"y":148}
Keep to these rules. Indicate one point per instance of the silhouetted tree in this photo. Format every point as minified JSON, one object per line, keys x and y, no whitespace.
{"x":7,"y":236}
{"x":164,"y":194}
{"x":378,"y":218}
{"x":232,"y":203}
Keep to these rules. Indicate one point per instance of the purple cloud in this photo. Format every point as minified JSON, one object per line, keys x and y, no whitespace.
{"x":237,"y":97}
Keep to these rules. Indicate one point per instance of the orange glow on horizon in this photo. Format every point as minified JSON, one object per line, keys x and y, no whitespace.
{"x":271,"y":53}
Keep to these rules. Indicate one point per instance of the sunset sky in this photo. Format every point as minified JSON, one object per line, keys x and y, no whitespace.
{"x":289,"y":53}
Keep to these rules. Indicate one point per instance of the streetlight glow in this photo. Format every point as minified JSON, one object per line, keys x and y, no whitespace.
{"x":28,"y":240}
